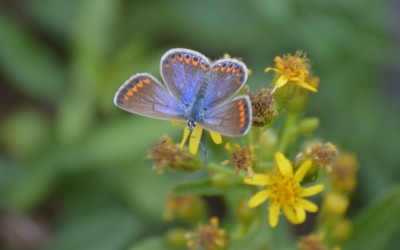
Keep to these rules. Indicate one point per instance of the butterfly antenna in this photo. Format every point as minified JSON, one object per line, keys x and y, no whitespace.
{"x":173,"y":133}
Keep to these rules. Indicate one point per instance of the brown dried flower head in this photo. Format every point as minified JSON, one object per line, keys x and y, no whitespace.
{"x":242,"y":158}
{"x":209,"y":237}
{"x":262,"y":103}
{"x":167,"y":154}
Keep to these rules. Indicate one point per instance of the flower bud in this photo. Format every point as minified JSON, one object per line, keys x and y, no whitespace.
{"x":269,"y":144}
{"x":342,"y":230}
{"x":244,"y":213}
{"x":176,"y":237}
{"x":222,"y":180}
{"x":189,"y":208}
{"x":308,"y":125}
{"x":335,"y":204}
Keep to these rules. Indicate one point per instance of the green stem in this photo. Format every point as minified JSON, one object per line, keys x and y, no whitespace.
{"x":289,"y":131}
{"x":219,"y":168}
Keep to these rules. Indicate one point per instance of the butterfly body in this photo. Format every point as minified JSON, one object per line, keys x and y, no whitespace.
{"x":196,"y":90}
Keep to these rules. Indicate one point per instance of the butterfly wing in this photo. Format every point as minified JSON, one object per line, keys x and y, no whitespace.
{"x":233,"y":118}
{"x":226,"y":79}
{"x":142,"y":94}
{"x":182,"y":70}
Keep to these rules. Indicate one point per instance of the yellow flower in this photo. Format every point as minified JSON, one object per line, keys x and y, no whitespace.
{"x":284,"y":191}
{"x":196,"y":136}
{"x":294,"y":69}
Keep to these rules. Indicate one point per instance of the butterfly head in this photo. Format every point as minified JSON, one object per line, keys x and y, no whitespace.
{"x":191,"y":124}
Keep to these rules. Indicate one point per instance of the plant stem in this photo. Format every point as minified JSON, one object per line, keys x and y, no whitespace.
{"x":289,"y":131}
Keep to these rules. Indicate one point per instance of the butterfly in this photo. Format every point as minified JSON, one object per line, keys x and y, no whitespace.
{"x":195,"y":90}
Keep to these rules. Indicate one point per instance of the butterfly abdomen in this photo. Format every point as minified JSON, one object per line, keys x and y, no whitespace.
{"x":197,"y":107}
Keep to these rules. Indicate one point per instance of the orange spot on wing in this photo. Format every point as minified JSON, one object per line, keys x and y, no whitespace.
{"x":241,"y":107}
{"x":203,"y":67}
{"x":223,"y":68}
{"x":240,"y":102}
{"x":241,"y":125}
{"x":237,"y":74}
{"x":215,"y":69}
{"x":147,"y":80}
{"x":130,"y":93}
{"x":187,"y":60}
{"x":242,"y":119}
{"x":234,"y":70}
{"x":229,"y":69}
{"x":173,"y":60}
{"x":180,"y":58}
{"x":140,"y":84}
{"x":134,"y":89}
{"x":242,"y":113}
{"x":126,"y":98}
{"x":195,"y":63}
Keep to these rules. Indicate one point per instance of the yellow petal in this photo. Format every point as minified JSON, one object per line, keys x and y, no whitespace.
{"x":258,"y":180}
{"x":309,"y":206}
{"x":306,"y":86}
{"x":302,"y":171}
{"x":273,"y":69}
{"x":291,"y":215}
{"x":195,"y":139}
{"x":186,"y":133}
{"x":282,"y":80}
{"x":273,"y":215}
{"x":216,"y":137}
{"x":300,"y":213}
{"x":310,"y":191}
{"x":284,"y":165}
{"x":258,"y":198}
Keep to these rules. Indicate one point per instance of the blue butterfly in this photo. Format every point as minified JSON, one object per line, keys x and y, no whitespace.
{"x":196,"y":90}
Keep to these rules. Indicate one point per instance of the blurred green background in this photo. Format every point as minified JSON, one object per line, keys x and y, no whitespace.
{"x":72,"y":168}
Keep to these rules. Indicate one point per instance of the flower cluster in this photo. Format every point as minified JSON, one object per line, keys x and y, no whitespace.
{"x":265,"y":176}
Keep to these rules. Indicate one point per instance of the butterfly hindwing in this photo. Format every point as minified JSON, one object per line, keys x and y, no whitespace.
{"x":182,"y":70}
{"x":227,"y":77}
{"x":233,"y":118}
{"x":142,"y":94}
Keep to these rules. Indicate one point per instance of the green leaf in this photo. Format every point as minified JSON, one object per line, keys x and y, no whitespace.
{"x":203,"y":187}
{"x":152,"y":243}
{"x":377,"y":226}
{"x":28,"y":65}
{"x":25,"y":133}
{"x":33,"y":186}
{"x":107,"y":229}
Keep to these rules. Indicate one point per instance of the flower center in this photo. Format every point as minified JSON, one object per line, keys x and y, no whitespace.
{"x":294,"y":66}
{"x":285,"y":191}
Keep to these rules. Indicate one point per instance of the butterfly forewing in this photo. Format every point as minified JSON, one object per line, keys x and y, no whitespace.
{"x":233,"y":118}
{"x":227,"y":77}
{"x":142,"y":94}
{"x":182,"y":70}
